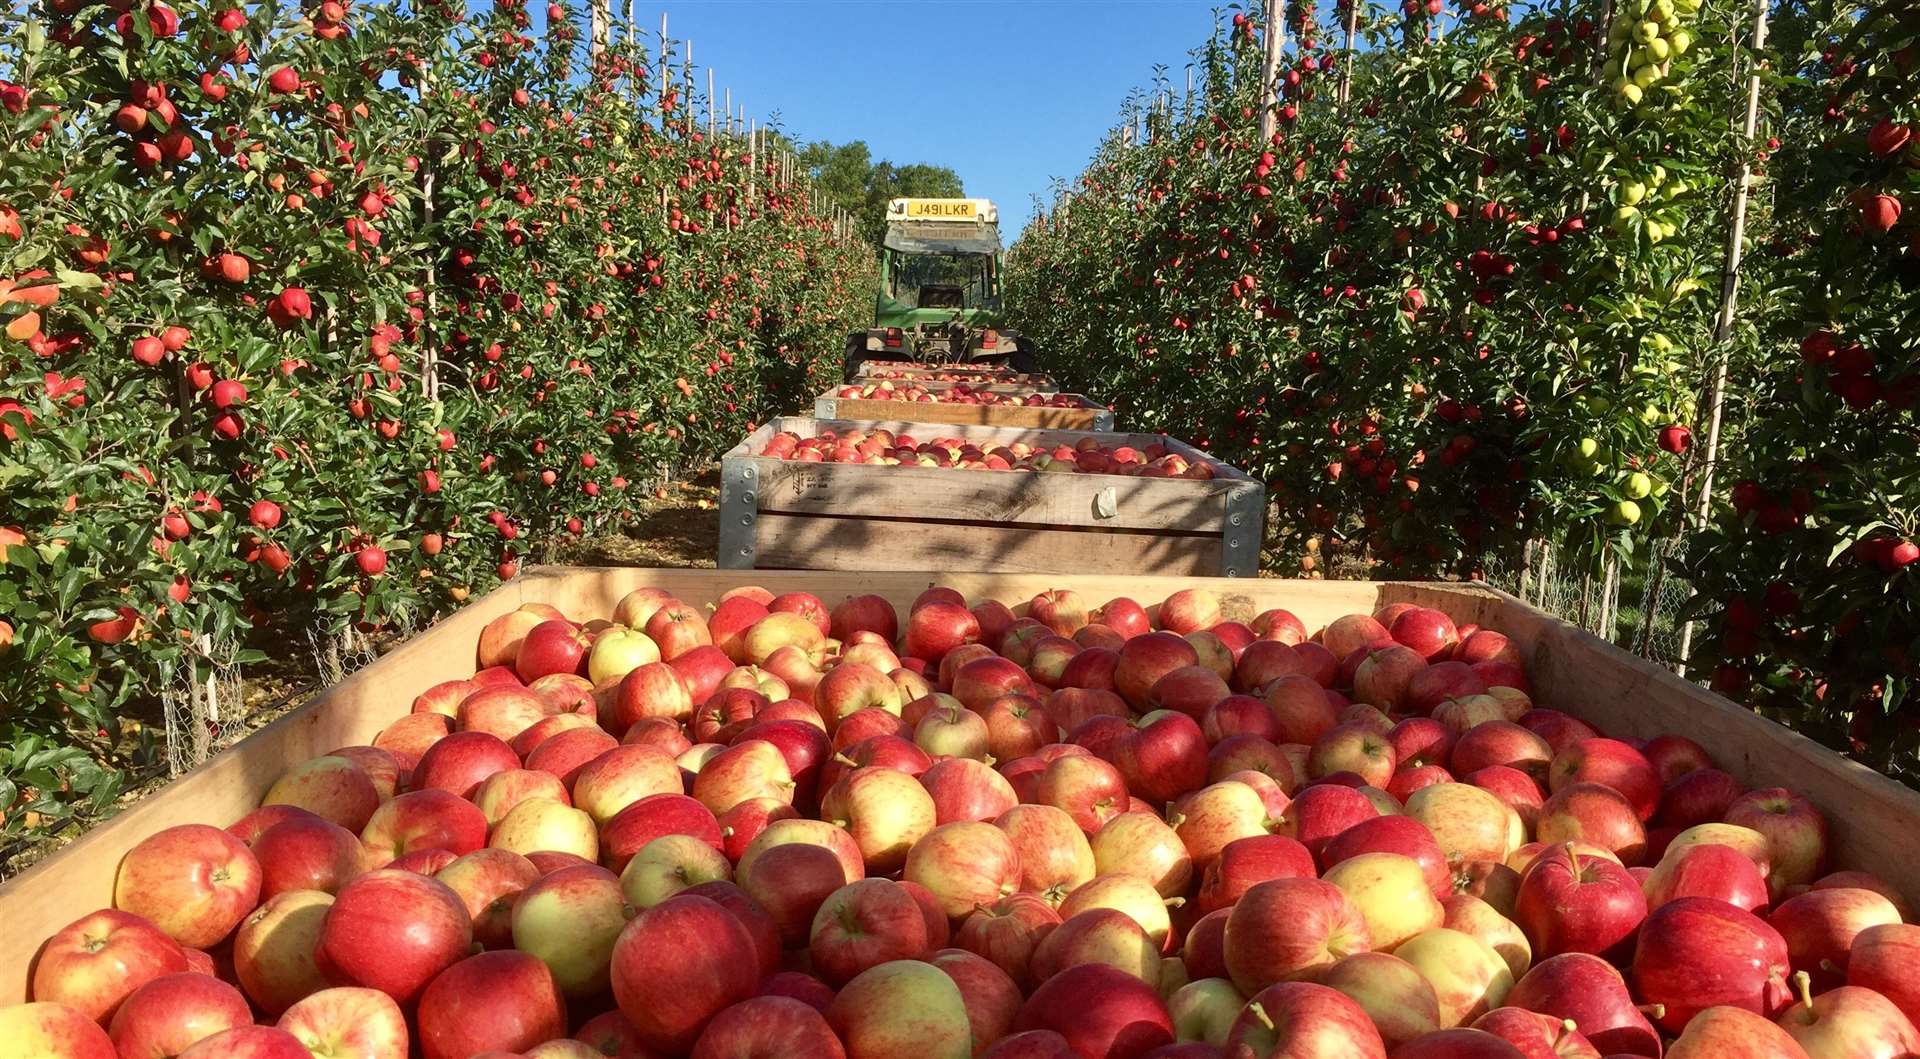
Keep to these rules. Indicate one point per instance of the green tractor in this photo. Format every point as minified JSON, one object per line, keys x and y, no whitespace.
{"x":939,"y":299}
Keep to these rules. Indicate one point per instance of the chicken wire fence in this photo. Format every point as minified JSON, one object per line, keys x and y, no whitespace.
{"x":1633,"y":605}
{"x":205,"y":707}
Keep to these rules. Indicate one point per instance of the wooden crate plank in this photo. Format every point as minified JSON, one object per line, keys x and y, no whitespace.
{"x":819,"y":542}
{"x":1035,"y":497}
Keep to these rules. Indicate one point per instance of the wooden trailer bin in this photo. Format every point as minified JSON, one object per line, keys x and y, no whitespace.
{"x":1872,"y":818}
{"x":1085,"y":415}
{"x":788,"y":514}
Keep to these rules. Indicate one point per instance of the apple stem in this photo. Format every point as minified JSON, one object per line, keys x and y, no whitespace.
{"x":1566,"y":1026}
{"x":1831,"y":968}
{"x":1174,"y":902}
{"x":1654,"y":1011}
{"x":1260,"y":1014}
{"x":1803,"y":984}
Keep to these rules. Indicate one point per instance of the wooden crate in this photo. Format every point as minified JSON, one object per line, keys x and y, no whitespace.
{"x":1087,"y":416}
{"x":1871,"y":817}
{"x":786,"y":514}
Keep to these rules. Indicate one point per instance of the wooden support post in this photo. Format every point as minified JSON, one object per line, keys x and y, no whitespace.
{"x":1346,"y":53}
{"x":1716,"y":396}
{"x":1270,"y":69}
{"x":599,"y":19}
{"x":709,"y":102}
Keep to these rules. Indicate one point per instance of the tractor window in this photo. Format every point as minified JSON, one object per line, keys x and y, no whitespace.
{"x":942,"y":281}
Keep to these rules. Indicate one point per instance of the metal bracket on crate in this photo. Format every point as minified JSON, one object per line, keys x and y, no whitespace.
{"x":1103,"y":420}
{"x":1246,"y":524}
{"x":740,"y":487}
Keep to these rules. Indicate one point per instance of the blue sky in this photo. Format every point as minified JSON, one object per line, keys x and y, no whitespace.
{"x":1009,"y":93}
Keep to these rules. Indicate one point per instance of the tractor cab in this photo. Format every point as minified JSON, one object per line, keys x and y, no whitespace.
{"x":939,"y":297}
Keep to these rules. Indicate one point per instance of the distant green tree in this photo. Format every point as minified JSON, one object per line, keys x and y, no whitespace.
{"x":853,"y":180}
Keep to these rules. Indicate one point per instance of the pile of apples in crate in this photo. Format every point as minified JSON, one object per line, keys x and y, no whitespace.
{"x":774,"y":829}
{"x":910,"y":371}
{"x":958,"y":394}
{"x":885,"y":447}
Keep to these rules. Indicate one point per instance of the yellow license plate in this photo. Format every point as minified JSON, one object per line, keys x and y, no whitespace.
{"x":941,"y":210}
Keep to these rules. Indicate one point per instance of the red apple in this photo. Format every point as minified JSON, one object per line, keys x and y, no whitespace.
{"x":1820,"y":926}
{"x":249,"y":1042}
{"x":1384,"y":675}
{"x":1145,"y":659}
{"x":1502,"y":743}
{"x":885,"y":811}
{"x":307,"y":854}
{"x":1708,"y":870}
{"x":1054,"y":855}
{"x":936,"y":628}
{"x":333,"y":788}
{"x":393,"y":931}
{"x":496,"y":1001}
{"x":798,"y":985}
{"x":1392,"y":834}
{"x":1092,"y":668}
{"x":1571,"y":902}
{"x":1302,"y":708}
{"x":967,"y":790}
{"x":965,"y":864}
{"x":1286,"y":929}
{"x":1239,"y":715}
{"x":1732,"y":1033}
{"x":488,"y":882}
{"x":1125,"y":617}
{"x":1796,"y":833}
{"x":1586,"y":990}
{"x":1354,"y":748}
{"x":863,"y":925}
{"x":459,"y":763}
{"x":768,"y":1027}
{"x":902,"y":1008}
{"x":1101,"y":1011}
{"x":1593,"y":812}
{"x":1303,"y":1020}
{"x":1008,"y":932}
{"x":1427,"y":631}
{"x":1246,"y":862}
{"x":870,"y":613}
{"x":421,"y":820}
{"x":94,"y":963}
{"x":1696,"y":953}
{"x":1323,"y":811}
{"x":554,"y":646}
{"x":194,"y":882}
{"x":171,"y":1013}
{"x":677,"y":965}
{"x":1537,"y":1036}
{"x":349,"y":1023}
{"x":1882,"y":959}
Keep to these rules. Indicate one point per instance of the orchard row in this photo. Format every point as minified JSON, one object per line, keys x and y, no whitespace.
{"x":326,"y":319}
{"x":1468,"y":295}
